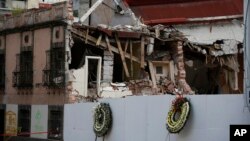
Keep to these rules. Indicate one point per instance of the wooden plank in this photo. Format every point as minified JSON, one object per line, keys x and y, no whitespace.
{"x":131,"y":61}
{"x":142,"y":52}
{"x":122,"y":56}
{"x":108,"y":44}
{"x":171,"y":71}
{"x":99,"y":40}
{"x":161,"y":62}
{"x":152,"y":73}
{"x":126,"y":46}
{"x":86,"y":37}
{"x":94,"y":6}
{"x":103,"y":44}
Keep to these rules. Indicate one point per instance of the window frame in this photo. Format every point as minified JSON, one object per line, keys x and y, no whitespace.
{"x":53,"y":120}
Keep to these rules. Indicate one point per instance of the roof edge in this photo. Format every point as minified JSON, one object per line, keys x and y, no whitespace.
{"x":192,"y":20}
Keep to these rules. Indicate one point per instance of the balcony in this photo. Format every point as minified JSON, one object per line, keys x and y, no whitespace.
{"x":54,"y":78}
{"x":23,"y":79}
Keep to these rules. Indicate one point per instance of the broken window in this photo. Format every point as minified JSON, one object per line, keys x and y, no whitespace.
{"x":24,"y":119}
{"x":55,"y":122}
{"x":54,"y":73}
{"x":23,"y":75}
{"x":2,"y":71}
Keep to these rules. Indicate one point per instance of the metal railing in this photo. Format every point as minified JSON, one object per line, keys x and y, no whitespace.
{"x":23,"y":79}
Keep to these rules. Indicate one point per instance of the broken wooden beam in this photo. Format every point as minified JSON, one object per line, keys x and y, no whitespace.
{"x":108,"y":44}
{"x":152,"y":73}
{"x":131,"y":61}
{"x":82,"y":34}
{"x":142,"y":52}
{"x":99,"y":40}
{"x":122,"y":56}
{"x":126,"y":46}
{"x":86,"y":36}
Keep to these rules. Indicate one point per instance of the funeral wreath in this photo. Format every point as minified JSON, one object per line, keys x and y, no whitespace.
{"x":178,"y":114}
{"x":102,"y":119}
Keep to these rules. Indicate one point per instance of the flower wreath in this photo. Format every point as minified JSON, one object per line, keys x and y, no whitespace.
{"x":180,"y":106}
{"x":102,"y":119}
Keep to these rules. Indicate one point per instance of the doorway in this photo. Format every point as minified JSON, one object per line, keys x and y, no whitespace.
{"x":92,"y":75}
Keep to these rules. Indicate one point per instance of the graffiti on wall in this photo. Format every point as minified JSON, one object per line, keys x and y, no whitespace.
{"x":11,"y":123}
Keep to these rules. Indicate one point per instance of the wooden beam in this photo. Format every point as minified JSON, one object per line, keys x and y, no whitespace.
{"x":122,"y":56}
{"x":131,"y":61}
{"x":108,"y":44}
{"x":94,"y":6}
{"x":86,"y":37}
{"x":103,"y":44}
{"x":152,"y":73}
{"x":126,"y":46}
{"x":142,"y":52}
{"x":99,"y":40}
{"x":171,"y":68}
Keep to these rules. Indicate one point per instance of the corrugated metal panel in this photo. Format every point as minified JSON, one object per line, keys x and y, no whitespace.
{"x":184,"y":10}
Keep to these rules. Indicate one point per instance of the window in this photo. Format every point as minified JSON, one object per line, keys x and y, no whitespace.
{"x":159,"y":70}
{"x":2,"y":3}
{"x":54,"y":73}
{"x":55,"y":122}
{"x":23,"y":75}
{"x":26,"y":38}
{"x":2,"y":71}
{"x":24,"y":114}
{"x":57,"y":34}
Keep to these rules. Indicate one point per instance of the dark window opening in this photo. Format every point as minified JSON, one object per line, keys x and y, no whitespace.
{"x":117,"y":69}
{"x":54,"y":73}
{"x":23,"y":75}
{"x":2,"y":71}
{"x":79,"y":51}
{"x":77,"y":54}
{"x":26,"y":38}
{"x":92,"y":75}
{"x":24,"y":120}
{"x":57,"y":34}
{"x":55,"y":122}
{"x":75,"y":13}
{"x":159,"y":70}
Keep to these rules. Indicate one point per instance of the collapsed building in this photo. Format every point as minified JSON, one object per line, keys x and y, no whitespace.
{"x":150,"y":60}
{"x":85,"y":61}
{"x":47,"y":61}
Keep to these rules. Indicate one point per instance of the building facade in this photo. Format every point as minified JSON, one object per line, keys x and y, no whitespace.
{"x":33,"y":54}
{"x":47,"y":62}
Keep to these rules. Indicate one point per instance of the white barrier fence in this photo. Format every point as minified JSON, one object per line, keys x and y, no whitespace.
{"x":143,"y":118}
